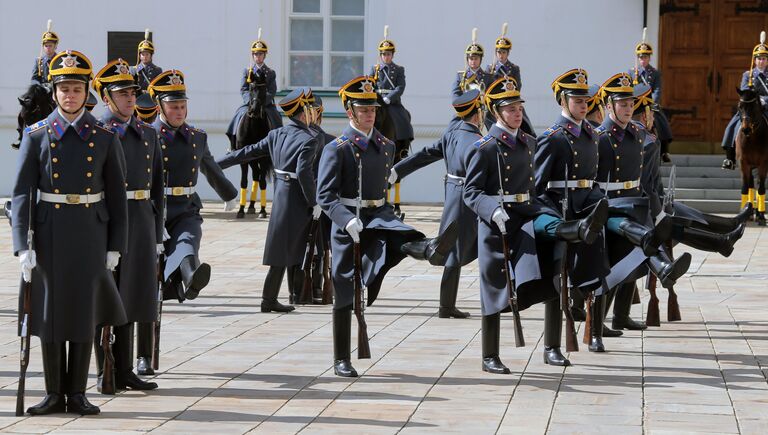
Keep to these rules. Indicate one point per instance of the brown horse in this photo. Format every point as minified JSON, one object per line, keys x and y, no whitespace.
{"x":752,"y":149}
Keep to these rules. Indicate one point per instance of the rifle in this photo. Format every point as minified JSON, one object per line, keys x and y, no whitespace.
{"x":327,"y":282}
{"x":571,"y":342}
{"x":673,"y":308}
{"x":108,"y":369}
{"x":587,"y":339}
{"x":363,"y":346}
{"x":161,"y":259}
{"x":519,"y":339}
{"x":24,"y":321}
{"x":652,"y":318}
{"x":309,"y":256}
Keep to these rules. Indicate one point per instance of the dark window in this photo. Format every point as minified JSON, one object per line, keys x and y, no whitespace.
{"x":123,"y":45}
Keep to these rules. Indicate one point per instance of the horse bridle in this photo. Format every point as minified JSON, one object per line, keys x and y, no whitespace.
{"x":745,"y":120}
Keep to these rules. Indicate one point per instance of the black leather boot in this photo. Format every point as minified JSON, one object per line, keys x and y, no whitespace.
{"x":433,"y":250}
{"x":53,"y":367}
{"x":317,"y":280}
{"x":598,"y":317}
{"x":730,"y":158}
{"x":98,"y":350}
{"x":622,"y":307}
{"x":722,"y":225}
{"x":272,"y":284}
{"x":712,"y":242}
{"x":145,"y":345}
{"x":491,"y":330}
{"x":79,"y":360}
{"x":577,"y":305}
{"x":449,"y":289}
{"x":666,"y":270}
{"x":647,"y":239}
{"x":342,"y":330}
{"x":584,"y":230}
{"x":553,"y":331}
{"x":194,"y":275}
{"x":123,"y":350}
{"x":607,"y":301}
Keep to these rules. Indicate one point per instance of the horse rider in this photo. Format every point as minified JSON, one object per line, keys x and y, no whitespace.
{"x":50,"y":40}
{"x":756,"y":77}
{"x":292,"y":149}
{"x":185,"y":154}
{"x":645,"y":73}
{"x":361,"y":158}
{"x":81,"y":228}
{"x":453,"y":148}
{"x":473,"y":76}
{"x":137,"y":270}
{"x":502,"y":67}
{"x":390,"y":85}
{"x":145,"y":70}
{"x":500,"y":190}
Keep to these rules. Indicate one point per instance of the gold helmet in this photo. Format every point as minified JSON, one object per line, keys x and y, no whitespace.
{"x":643,"y":47}
{"x":145,"y":45}
{"x":360,"y":91}
{"x":70,"y":65}
{"x":502,"y":42}
{"x":474,"y":48}
{"x":49,"y":35}
{"x":760,"y":50}
{"x":386,"y":44}
{"x":258,"y":45}
{"x":572,"y":83}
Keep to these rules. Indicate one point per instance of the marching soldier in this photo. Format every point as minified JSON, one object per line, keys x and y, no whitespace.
{"x":384,"y":240}
{"x":500,"y":190}
{"x":595,"y":114}
{"x":185,"y":154}
{"x":136,"y":273}
{"x":473,"y":76}
{"x":292,"y":149}
{"x":80,"y":224}
{"x":145,"y":70}
{"x":756,"y":78}
{"x":453,"y":147}
{"x":395,"y":122}
{"x":50,"y":41}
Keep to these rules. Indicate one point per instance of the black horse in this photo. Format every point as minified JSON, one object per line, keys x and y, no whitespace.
{"x":253,"y":126}
{"x":752,"y":149}
{"x":386,"y":126}
{"x":36,"y":104}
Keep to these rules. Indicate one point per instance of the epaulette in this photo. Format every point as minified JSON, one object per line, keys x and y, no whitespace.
{"x":197,"y":130}
{"x":552,"y":130}
{"x":36,"y":126}
{"x":103,"y":127}
{"x":341,"y":140}
{"x":600,"y":130}
{"x":484,"y":140}
{"x":142,"y":123}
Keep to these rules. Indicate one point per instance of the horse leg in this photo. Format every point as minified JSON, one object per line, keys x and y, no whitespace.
{"x":254,"y":187}
{"x":263,"y":192}
{"x":761,"y":194}
{"x":243,"y":190}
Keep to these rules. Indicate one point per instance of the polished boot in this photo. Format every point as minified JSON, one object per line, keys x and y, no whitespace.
{"x":194,"y":275}
{"x":730,"y":158}
{"x":712,"y":242}
{"x":553,"y":331}
{"x":317,"y":280}
{"x":53,"y":367}
{"x":598,"y":317}
{"x":78,"y":362}
{"x":606,"y":304}
{"x":123,"y":350}
{"x":622,"y":307}
{"x":611,"y":333}
{"x":666,"y":270}
{"x":584,"y":230}
{"x":648,"y":240}
{"x":449,"y":289}
{"x":145,"y":346}
{"x":342,"y":331}
{"x":272,"y":284}
{"x":434,"y":250}
{"x":491,"y":332}
{"x":577,"y":305}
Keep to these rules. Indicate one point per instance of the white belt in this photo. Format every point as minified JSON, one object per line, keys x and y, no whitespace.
{"x":366,"y":203}
{"x":578,"y":184}
{"x":179,"y":190}
{"x":518,"y":197}
{"x":385,"y":91}
{"x":459,"y":180}
{"x":286,"y":175}
{"x":137,"y":194}
{"x":619,"y":185}
{"x":71,"y":198}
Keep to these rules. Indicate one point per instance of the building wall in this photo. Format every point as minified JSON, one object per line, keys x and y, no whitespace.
{"x":210,"y":43}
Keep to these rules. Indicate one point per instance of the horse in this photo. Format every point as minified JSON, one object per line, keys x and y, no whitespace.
{"x":252,"y":127}
{"x":752,"y":149}
{"x":36,"y":104}
{"x":386,"y":126}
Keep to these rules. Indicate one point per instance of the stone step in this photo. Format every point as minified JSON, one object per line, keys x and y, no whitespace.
{"x":699,"y":172}
{"x":714,"y":206}
{"x":705,"y":183}
{"x":707,"y":194}
{"x":710,"y":160}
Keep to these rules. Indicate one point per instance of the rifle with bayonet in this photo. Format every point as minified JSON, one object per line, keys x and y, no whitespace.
{"x":673,"y":308}
{"x":161,"y":259}
{"x":363,"y":346}
{"x":571,"y":342}
{"x":519,"y":339}
{"x":26,"y":311}
{"x":309,"y":257}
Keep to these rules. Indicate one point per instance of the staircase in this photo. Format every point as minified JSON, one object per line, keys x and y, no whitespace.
{"x":703,"y":184}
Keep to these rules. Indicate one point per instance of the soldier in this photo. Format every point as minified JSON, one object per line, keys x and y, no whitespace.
{"x":292,"y":149}
{"x":500,"y":190}
{"x":453,"y":147}
{"x":756,"y":78}
{"x":595,"y":114}
{"x":50,"y":41}
{"x":137,"y":271}
{"x":645,"y":73}
{"x":395,"y":121}
{"x":145,"y":70}
{"x":384,"y":240}
{"x":473,"y":76}
{"x":80,"y":224}
{"x":185,"y":153}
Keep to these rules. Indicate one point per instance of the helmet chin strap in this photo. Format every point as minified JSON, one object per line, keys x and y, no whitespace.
{"x":113,"y":107}
{"x":497,"y":114}
{"x":163,"y":117}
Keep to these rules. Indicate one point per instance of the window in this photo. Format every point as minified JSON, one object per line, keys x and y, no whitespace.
{"x":325,"y":42}
{"x":122,"y":45}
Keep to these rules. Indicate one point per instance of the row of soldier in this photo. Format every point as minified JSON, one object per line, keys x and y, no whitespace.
{"x":113,"y":194}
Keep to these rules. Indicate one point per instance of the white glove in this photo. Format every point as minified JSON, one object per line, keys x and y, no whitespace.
{"x":28,"y":260}
{"x":392,"y":176}
{"x":354,"y":227}
{"x":231,"y":204}
{"x":113,"y":257}
{"x":386,"y":100}
{"x":316,"y":212}
{"x":499,"y":217}
{"x":166,"y":236}
{"x":159,"y":249}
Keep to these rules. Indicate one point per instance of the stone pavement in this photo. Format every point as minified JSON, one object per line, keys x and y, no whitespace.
{"x":226,"y":368}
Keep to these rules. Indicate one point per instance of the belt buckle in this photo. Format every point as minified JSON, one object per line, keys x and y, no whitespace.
{"x":519,"y":197}
{"x":627,"y":184}
{"x":583,"y":183}
{"x":73,"y":198}
{"x":369,"y":203}
{"x":139,"y":194}
{"x":177,"y":191}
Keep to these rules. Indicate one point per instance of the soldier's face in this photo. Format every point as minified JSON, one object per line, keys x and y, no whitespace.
{"x":49,"y":48}
{"x":474,"y":61}
{"x":363,"y":117}
{"x":512,"y":114}
{"x":622,"y":110}
{"x":386,"y":56}
{"x":503,"y":55}
{"x":258,"y":57}
{"x":761,"y":62}
{"x":71,"y":96}
{"x":175,"y":112}
{"x":644,"y":60}
{"x":124,"y":101}
{"x":145,"y":57}
{"x":577,"y":107}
